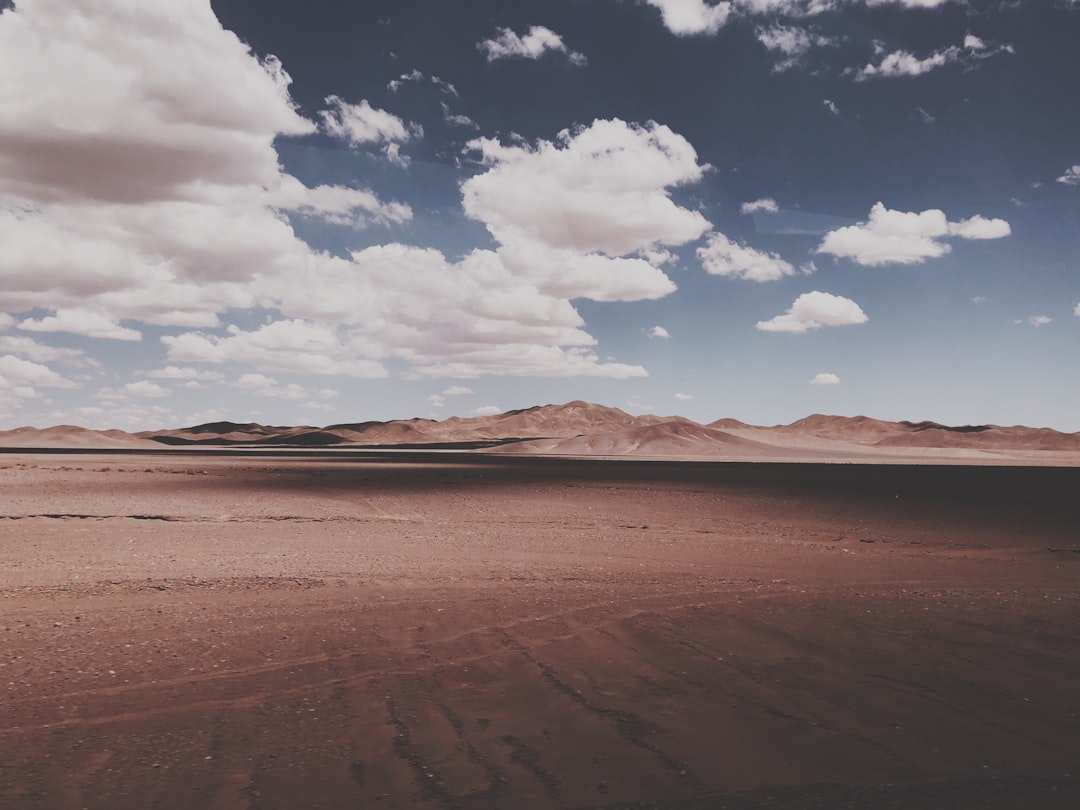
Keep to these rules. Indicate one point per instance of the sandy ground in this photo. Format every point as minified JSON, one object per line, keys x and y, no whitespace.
{"x":225,"y":632}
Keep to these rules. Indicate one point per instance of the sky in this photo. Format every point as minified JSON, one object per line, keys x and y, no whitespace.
{"x":326,"y":212}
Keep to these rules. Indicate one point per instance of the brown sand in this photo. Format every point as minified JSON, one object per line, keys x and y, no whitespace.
{"x":280,"y":632}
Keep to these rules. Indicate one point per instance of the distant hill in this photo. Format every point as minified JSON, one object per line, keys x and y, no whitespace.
{"x":583,"y":428}
{"x":72,"y":436}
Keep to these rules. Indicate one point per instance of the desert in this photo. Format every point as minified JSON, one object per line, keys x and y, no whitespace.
{"x":223,"y":626}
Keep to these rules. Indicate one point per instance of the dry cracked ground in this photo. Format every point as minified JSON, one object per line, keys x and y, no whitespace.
{"x":274,"y":632}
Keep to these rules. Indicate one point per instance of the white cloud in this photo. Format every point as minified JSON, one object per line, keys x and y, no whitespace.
{"x":358,"y":124}
{"x":787,"y":8}
{"x":979,"y":227}
{"x":40,"y":353}
{"x":903,"y":63}
{"x":6,"y":321}
{"x":263,"y":386}
{"x":21,"y":376}
{"x":137,"y":189}
{"x":339,"y":205}
{"x":294,"y":345}
{"x":684,"y":397}
{"x":814,"y":310}
{"x":900,"y":237}
{"x":825,"y":379}
{"x":722,"y":257}
{"x":1071,"y":176}
{"x":599,"y":189}
{"x":908,"y":3}
{"x":1039,"y":320}
{"x":416,"y":77}
{"x":658,"y":332}
{"x":689,"y":17}
{"x":144,"y":188}
{"x":767,"y":204}
{"x":1076,"y":311}
{"x":361,"y":123}
{"x":457,"y":391}
{"x":488,"y":410}
{"x":467,"y":318}
{"x":457,"y":120}
{"x":537,"y":41}
{"x":81,"y":322}
{"x":437,"y":401}
{"x":791,"y":44}
{"x":979,"y":299}
{"x":179,"y":373}
{"x":831,"y":106}
{"x":145,"y":388}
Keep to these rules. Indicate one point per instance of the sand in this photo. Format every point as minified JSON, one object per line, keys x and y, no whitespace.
{"x":464,"y":632}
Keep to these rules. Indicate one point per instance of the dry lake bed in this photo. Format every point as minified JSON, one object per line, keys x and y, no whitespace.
{"x":452,"y":631}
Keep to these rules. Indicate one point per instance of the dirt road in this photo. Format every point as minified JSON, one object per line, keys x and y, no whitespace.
{"x":195,"y":631}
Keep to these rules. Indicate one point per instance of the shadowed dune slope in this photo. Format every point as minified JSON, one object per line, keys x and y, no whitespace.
{"x":673,"y":438}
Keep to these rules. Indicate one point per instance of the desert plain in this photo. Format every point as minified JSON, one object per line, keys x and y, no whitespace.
{"x":218,"y":628}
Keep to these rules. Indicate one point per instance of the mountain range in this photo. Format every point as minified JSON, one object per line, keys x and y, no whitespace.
{"x":583,"y":429}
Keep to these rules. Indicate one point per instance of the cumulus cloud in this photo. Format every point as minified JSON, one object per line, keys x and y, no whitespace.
{"x":979,"y":227}
{"x":659,"y":332}
{"x":135,"y":193}
{"x":600,"y":189}
{"x":766,"y":204}
{"x":1071,"y":177}
{"x":537,"y":41}
{"x":683,"y":397}
{"x":463,"y":318}
{"x":1039,"y":320}
{"x":690,"y":17}
{"x":901,"y":237}
{"x":136,"y":190}
{"x":814,"y":310}
{"x":488,"y":410}
{"x":831,"y":106}
{"x":722,"y":257}
{"x":825,"y":379}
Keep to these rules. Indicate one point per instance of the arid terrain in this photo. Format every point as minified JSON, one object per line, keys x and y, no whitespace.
{"x":207,"y":628}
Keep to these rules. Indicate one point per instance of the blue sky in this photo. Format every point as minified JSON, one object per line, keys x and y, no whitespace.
{"x":325,"y":212}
